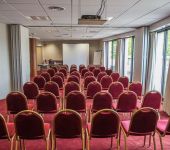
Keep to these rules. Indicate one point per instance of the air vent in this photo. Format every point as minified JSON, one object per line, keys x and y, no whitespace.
{"x":56,"y":8}
{"x":38,"y":18}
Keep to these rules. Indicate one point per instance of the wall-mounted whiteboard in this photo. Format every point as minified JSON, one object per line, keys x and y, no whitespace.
{"x":97,"y":58}
{"x":76,"y":54}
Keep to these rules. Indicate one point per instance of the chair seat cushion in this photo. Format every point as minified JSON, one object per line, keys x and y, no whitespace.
{"x":125,"y":125}
{"x":161,"y":126}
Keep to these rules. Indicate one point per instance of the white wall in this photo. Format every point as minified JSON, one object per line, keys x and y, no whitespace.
{"x":5,"y":83}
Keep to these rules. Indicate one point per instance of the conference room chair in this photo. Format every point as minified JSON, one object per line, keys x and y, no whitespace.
{"x":46,"y":103}
{"x":55,"y":68}
{"x":73,"y":66}
{"x":81,"y":67}
{"x":72,"y":70}
{"x":46,"y":75}
{"x":40,"y":81}
{"x":137,"y":88}
{"x":105,"y":124}
{"x":163,"y":129}
{"x":109,"y":71}
{"x":100,"y":75}
{"x":29,"y":125}
{"x":77,"y":74}
{"x":96,"y":71}
{"x":115,"y":76}
{"x":61,"y":75}
{"x":127,"y":102}
{"x":88,"y":80}
{"x":125,"y":81}
{"x":152,"y":99}
{"x":102,"y":68}
{"x":91,"y":68}
{"x":142,"y":123}
{"x":83,"y":71}
{"x":65,"y":66}
{"x":64,"y":71}
{"x":71,"y":86}
{"x":106,"y":81}
{"x":115,"y":89}
{"x":57,"y":79}
{"x":7,"y":131}
{"x":73,"y":78}
{"x":16,"y":102}
{"x":89,"y":73}
{"x":67,"y":124}
{"x":51,"y":71}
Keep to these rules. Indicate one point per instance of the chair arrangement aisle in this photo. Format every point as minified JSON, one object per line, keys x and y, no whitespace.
{"x":83,"y":108}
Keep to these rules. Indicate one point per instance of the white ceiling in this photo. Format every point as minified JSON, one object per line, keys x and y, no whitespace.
{"x":126,"y":16}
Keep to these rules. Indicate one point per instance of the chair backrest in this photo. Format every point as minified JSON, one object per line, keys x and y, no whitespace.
{"x":61,"y":75}
{"x":55,"y":68}
{"x":46,"y":102}
{"x":65,"y":66}
{"x":124,"y":80}
{"x":102,"y":68}
{"x":29,"y":125}
{"x":91,"y":67}
{"x":106,"y":81}
{"x":127,"y":102}
{"x":89,"y":73}
{"x":76,"y":101}
{"x":87,"y":80}
{"x":71,"y":86}
{"x":143,"y":121}
{"x":46,"y":75}
{"x":102,"y":100}
{"x":109,"y":71}
{"x":81,"y":67}
{"x":52,"y":87}
{"x":51,"y":71}
{"x":83,"y":71}
{"x":73,"y":78}
{"x":16,"y":102}
{"x":4,"y":134}
{"x":136,"y":87}
{"x":152,"y":99}
{"x":96,"y":71}
{"x":100,"y":75}
{"x":72,"y":70}
{"x":115,"y":89}
{"x":93,"y":88}
{"x":31,"y":90}
{"x":64,"y":71}
{"x":76,"y":73}
{"x":40,"y":81}
{"x":73,"y":66}
{"x":67,"y":124}
{"x":57,"y":79}
{"x":105,"y":123}
{"x":115,"y":76}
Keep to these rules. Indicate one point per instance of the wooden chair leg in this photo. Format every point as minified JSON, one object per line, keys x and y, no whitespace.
{"x":111,"y":144}
{"x":149,"y":140}
{"x":154,"y":142}
{"x":144,"y":141}
{"x":161,"y":142}
{"x":125,"y":141}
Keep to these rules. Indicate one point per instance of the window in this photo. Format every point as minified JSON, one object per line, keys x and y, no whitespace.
{"x":128,"y":57}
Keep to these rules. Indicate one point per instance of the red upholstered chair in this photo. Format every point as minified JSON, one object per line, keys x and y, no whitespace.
{"x":105,"y":124}
{"x":100,"y":75}
{"x":51,"y":71}
{"x":57,"y":79}
{"x":88,"y":80}
{"x":46,"y":102}
{"x":29,"y":125}
{"x":65,"y":66}
{"x":83,"y":71}
{"x":73,"y":66}
{"x":163,"y":129}
{"x":73,"y":78}
{"x":75,"y":100}
{"x":7,"y":131}
{"x":52,"y":87}
{"x":61,"y":75}
{"x":77,"y":74}
{"x":152,"y":99}
{"x":96,"y":71}
{"x":67,"y":124}
{"x":109,"y":71}
{"x":142,"y":123}
{"x":72,"y":70}
{"x":91,"y":68}
{"x":125,"y":81}
{"x":127,"y":102}
{"x":89,"y":73}
{"x":102,"y":68}
{"x":115,"y":89}
{"x":55,"y":68}
{"x":137,"y":88}
{"x":106,"y":81}
{"x":71,"y":86}
{"x":115,"y":76}
{"x":81,"y":67}
{"x":46,"y":75}
{"x":40,"y":81}
{"x":64,"y":71}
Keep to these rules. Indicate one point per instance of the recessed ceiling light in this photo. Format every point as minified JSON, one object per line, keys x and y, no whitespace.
{"x":109,"y":18}
{"x":56,"y":8}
